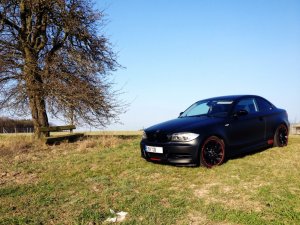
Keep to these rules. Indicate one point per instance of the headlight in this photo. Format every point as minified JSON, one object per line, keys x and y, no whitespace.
{"x":184,"y":136}
{"x":144,"y":136}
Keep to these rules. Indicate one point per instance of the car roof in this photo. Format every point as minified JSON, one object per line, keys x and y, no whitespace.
{"x":232,"y":97}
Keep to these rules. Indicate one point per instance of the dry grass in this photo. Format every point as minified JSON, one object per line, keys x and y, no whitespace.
{"x":22,"y":149}
{"x":16,"y":145}
{"x":107,"y":141}
{"x":114,"y":133}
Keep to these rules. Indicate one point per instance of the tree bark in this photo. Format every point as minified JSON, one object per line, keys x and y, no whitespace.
{"x":34,"y":85}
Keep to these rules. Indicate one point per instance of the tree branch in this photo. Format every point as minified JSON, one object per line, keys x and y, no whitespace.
{"x":9,"y":23}
{"x":56,"y":46}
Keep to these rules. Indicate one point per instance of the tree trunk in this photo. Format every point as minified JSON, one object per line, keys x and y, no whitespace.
{"x":34,"y":86}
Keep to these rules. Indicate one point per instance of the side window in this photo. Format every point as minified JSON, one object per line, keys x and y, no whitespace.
{"x":263,"y":105}
{"x":248,"y":104}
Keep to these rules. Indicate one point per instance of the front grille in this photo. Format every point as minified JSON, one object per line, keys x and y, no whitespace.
{"x":157,"y":137}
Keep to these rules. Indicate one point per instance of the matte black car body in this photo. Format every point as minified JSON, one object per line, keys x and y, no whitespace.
{"x":238,"y":131}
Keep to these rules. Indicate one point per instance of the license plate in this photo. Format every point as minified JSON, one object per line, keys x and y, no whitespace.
{"x":154,"y":149}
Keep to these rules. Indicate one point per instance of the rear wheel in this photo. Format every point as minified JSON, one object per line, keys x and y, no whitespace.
{"x":212,"y":152}
{"x":281,"y":136}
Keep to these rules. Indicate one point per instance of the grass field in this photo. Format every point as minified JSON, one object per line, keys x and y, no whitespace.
{"x":78,"y":183}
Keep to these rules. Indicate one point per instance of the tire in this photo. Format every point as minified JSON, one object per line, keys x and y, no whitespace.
{"x":212,"y":152}
{"x":281,"y":136}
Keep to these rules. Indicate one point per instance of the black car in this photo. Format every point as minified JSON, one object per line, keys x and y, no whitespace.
{"x":211,"y":130}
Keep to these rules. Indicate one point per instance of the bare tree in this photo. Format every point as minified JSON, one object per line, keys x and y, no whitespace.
{"x":53,"y":60}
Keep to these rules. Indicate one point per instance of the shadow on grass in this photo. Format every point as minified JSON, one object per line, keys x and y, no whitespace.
{"x":241,"y":155}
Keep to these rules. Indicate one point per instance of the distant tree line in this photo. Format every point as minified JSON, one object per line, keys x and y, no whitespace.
{"x":8,"y":125}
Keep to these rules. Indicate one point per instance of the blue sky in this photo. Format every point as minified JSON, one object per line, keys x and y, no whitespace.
{"x":178,"y":52}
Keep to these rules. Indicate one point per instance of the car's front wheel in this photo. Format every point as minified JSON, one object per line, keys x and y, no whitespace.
{"x":281,"y":136}
{"x":212,"y":152}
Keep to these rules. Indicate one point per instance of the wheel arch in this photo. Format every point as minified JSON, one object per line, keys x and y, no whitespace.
{"x":282,"y":122}
{"x":220,"y":133}
{"x":217,"y":134}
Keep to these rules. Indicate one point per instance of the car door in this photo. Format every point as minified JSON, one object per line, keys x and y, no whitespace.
{"x":268,"y":112}
{"x":246,"y":130}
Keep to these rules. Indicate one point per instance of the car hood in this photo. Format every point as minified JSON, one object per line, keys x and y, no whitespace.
{"x":184,"y":124}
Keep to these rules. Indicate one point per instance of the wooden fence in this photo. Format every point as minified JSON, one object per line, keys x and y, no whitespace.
{"x":8,"y":130}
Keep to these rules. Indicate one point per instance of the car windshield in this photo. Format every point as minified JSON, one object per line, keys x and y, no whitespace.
{"x":214,"y":108}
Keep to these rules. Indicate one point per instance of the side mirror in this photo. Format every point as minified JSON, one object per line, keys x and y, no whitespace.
{"x":241,"y":112}
{"x":180,"y":114}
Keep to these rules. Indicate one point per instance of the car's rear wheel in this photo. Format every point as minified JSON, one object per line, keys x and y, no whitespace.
{"x":212,"y":152}
{"x":281,"y":136}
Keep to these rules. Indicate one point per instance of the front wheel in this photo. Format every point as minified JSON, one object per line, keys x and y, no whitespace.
{"x":281,"y":136}
{"x":212,"y":152}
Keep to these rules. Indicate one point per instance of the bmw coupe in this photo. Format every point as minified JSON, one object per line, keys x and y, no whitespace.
{"x":214,"y":129}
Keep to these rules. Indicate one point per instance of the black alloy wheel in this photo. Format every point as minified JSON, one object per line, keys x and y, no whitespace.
{"x":281,"y":136}
{"x":212,"y":152}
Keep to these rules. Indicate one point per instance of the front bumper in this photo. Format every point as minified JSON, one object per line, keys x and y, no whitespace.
{"x":173,"y":152}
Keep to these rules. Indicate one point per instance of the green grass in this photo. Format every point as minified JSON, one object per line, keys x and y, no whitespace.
{"x":78,"y":183}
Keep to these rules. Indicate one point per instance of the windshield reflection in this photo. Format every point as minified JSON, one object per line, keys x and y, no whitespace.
{"x":211,"y":108}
